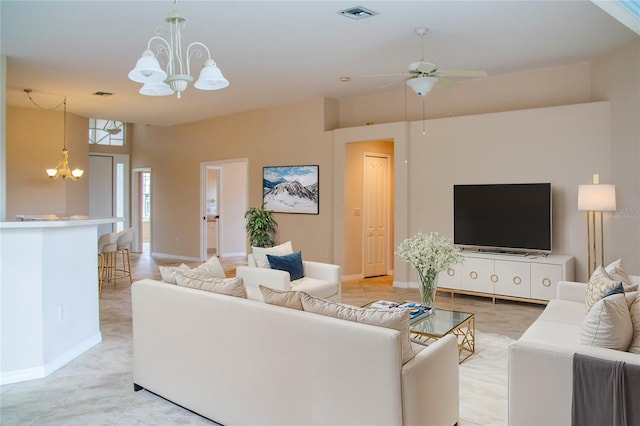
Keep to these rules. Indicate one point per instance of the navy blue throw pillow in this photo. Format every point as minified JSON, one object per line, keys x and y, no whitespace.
{"x":619,"y":289}
{"x":292,"y":263}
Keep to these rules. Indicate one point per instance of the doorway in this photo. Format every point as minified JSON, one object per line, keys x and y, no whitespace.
{"x":141,"y":210}
{"x":375,"y":214}
{"x":223,"y":203}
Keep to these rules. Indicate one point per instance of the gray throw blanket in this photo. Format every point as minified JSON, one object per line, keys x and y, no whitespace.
{"x":605,"y":392}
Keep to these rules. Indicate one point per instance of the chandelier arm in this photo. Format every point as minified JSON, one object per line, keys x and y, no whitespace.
{"x":163,"y":47}
{"x":193,"y":50}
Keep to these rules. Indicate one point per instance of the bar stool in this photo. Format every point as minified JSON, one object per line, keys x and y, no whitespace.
{"x":125,"y":238}
{"x":107,"y":249}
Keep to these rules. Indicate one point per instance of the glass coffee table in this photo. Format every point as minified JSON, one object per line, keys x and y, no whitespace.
{"x":442,"y":322}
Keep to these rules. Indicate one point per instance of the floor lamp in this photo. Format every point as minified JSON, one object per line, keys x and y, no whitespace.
{"x":595,"y":199}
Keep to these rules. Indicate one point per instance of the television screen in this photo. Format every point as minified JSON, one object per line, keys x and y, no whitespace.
{"x":509,"y":217}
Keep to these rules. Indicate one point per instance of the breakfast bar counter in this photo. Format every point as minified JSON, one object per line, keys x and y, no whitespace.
{"x":48,"y":293}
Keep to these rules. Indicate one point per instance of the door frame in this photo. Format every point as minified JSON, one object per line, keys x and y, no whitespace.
{"x":136,"y":209}
{"x":387,"y":205}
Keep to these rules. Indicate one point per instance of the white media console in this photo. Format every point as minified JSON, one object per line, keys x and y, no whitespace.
{"x":530,"y":278}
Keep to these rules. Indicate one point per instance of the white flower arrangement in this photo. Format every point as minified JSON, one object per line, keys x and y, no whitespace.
{"x":429,"y":253}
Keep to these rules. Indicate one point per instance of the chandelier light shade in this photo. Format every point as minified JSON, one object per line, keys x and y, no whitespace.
{"x":422,"y":85}
{"x":176,"y":76}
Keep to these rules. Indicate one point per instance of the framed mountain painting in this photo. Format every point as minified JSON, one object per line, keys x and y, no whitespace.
{"x":291,"y":189}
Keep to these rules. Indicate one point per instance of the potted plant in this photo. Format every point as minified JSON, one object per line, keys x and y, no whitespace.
{"x":261,"y":227}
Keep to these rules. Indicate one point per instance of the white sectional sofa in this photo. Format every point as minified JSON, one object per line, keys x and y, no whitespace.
{"x":243,"y":362}
{"x":541,"y":361}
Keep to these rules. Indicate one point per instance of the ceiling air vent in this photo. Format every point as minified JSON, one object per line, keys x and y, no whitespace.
{"x":357,"y":12}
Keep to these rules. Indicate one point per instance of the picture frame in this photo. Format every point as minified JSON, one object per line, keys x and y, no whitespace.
{"x":291,"y":189}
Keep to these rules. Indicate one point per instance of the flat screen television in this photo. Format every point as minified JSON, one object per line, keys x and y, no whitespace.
{"x":503,"y":217}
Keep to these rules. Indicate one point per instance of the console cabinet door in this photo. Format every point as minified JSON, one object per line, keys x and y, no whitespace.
{"x":476,"y":275}
{"x":451,"y":277}
{"x":512,"y":278}
{"x":544,"y":280}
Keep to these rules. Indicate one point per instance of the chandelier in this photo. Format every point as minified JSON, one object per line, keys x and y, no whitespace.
{"x":176,"y":77}
{"x":62,"y":169}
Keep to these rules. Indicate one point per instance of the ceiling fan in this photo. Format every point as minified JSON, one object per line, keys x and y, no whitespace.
{"x":422,"y":75}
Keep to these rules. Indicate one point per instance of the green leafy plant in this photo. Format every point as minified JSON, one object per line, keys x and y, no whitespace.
{"x":261,"y":227}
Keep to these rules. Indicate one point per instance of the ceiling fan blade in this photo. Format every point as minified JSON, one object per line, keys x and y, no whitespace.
{"x":461,"y":73}
{"x":446,"y":83}
{"x":386,"y":75}
{"x":391,"y":83}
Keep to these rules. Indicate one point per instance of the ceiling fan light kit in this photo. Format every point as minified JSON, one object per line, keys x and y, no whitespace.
{"x":422,"y":85}
{"x":177,"y":76}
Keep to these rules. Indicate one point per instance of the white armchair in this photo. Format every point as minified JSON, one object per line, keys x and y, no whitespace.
{"x":320,"y":280}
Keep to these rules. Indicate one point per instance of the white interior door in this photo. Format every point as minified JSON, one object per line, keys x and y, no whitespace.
{"x":375,"y":212}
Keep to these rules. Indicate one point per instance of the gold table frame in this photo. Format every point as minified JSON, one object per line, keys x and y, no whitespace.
{"x":465,"y":333}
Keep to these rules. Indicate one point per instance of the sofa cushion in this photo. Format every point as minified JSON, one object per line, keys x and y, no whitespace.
{"x":599,"y":284}
{"x":608,"y":324}
{"x":552,"y":333}
{"x":397,"y":319}
{"x":315,"y":287}
{"x":287,"y":299}
{"x":616,"y":272}
{"x":563,"y":312}
{"x":260,"y":253}
{"x":168,"y":273}
{"x":633,"y":302}
{"x":291,"y":263}
{"x":211,"y":268}
{"x":228,"y":286}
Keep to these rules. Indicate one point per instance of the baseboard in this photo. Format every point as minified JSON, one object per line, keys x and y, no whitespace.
{"x":24,"y":374}
{"x":176,"y":257}
{"x":352,"y":277}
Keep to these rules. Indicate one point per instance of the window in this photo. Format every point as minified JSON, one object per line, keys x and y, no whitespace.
{"x":106,"y":132}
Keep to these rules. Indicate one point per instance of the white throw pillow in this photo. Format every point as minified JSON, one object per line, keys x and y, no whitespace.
{"x":616,"y":272}
{"x":633,"y":302}
{"x":599,"y":284}
{"x":211,"y":268}
{"x":287,"y":299}
{"x":608,"y":324}
{"x":260,"y":253}
{"x":168,"y":273}
{"x":228,"y":286}
{"x":397,"y":319}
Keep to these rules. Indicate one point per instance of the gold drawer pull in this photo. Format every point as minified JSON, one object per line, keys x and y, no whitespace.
{"x":451,"y":272}
{"x":546,"y":282}
{"x":494,"y":278}
{"x":473,"y":275}
{"x":517,"y":280}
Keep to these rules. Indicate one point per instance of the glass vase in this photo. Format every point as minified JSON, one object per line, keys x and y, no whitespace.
{"x":428,"y":286}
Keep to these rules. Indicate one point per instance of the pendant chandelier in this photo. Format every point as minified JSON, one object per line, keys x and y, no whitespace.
{"x":176,"y":76}
{"x":62,"y":169}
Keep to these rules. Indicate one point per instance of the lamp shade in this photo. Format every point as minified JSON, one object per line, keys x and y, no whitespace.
{"x":422,"y":85}
{"x":211,"y":77}
{"x":158,"y":88}
{"x":147,"y":69}
{"x":599,"y":198}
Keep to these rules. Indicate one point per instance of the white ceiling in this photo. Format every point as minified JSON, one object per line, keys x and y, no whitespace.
{"x":277,"y":52}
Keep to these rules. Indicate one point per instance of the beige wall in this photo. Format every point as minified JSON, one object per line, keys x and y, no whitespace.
{"x":34,"y":143}
{"x":282,"y":135}
{"x":353,"y":188}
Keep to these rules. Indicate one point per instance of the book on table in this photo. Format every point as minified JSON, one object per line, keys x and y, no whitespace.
{"x":416,"y":310}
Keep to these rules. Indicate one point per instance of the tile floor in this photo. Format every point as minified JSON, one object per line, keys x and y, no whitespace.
{"x":96,"y":388}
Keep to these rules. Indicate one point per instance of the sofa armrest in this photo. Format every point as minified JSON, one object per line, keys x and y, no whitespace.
{"x":569,"y":290}
{"x":253,"y":277}
{"x":322,"y":271}
{"x":430,"y":385}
